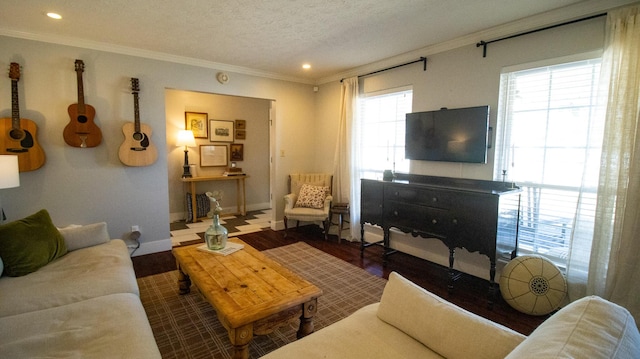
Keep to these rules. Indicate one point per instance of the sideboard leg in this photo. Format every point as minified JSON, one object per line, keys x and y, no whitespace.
{"x":451,"y":272}
{"x":492,"y":283}
{"x":362,"y":240}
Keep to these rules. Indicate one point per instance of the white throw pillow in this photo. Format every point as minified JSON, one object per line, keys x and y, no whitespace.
{"x":77,"y":237}
{"x":442,"y":326}
{"x":590,"y":327}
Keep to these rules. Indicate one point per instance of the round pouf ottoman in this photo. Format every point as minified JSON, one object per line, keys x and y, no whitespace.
{"x":533,"y":285}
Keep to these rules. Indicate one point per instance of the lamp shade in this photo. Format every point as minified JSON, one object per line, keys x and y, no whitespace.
{"x":10,"y":172}
{"x":185,"y":138}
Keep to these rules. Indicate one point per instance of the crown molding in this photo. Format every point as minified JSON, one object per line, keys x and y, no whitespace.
{"x":568,"y":13}
{"x":154,"y":55}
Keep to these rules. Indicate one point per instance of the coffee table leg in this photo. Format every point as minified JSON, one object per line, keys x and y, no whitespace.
{"x":240,"y":339}
{"x":184,"y":282}
{"x":309,"y":309}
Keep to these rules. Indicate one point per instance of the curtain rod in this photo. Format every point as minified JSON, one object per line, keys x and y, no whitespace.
{"x":485,"y":43}
{"x":422,"y":59}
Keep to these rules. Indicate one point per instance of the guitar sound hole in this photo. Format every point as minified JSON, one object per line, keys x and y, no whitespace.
{"x":82,"y":119}
{"x":16,"y":134}
{"x":138,"y":136}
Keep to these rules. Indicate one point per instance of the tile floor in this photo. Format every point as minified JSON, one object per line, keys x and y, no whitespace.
{"x":186,"y":233}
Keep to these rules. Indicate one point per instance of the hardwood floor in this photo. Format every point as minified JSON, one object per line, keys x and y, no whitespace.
{"x":470,"y":293}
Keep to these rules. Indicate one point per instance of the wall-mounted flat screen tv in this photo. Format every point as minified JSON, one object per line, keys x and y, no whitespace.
{"x":452,"y":135}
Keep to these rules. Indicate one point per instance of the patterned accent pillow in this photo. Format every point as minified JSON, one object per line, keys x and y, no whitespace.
{"x":203,"y":206}
{"x":312,"y":196}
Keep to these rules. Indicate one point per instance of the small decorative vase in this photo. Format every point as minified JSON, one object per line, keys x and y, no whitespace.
{"x":216,"y":235}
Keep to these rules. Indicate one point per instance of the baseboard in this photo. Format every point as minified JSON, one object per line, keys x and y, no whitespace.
{"x":180,"y":216}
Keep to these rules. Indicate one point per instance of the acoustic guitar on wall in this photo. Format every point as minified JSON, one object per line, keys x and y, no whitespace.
{"x":137,"y":148}
{"x":18,"y":136}
{"x":81,"y":131}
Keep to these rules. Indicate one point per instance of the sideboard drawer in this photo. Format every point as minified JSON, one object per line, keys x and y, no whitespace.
{"x":417,"y":219}
{"x":421,"y":196}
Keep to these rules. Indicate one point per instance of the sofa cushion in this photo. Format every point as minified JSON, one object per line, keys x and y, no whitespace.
{"x":359,"y":336}
{"x":312,"y":196}
{"x":590,"y":327}
{"x":76,"y":237}
{"x":442,"y":326}
{"x":28,"y":244}
{"x":113,"y":326}
{"x":82,"y":274}
{"x":1,"y":266}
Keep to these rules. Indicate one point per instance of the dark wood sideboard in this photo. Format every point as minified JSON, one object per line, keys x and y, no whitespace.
{"x":480,"y":216}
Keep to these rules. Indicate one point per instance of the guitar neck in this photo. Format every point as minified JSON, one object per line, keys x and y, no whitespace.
{"x":15,"y":105}
{"x":136,"y":112}
{"x":80,"y":93}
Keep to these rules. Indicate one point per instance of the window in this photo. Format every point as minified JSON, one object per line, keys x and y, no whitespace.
{"x":549,"y":142}
{"x":382,"y":127}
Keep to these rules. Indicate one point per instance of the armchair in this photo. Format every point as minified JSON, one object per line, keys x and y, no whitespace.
{"x":309,"y":199}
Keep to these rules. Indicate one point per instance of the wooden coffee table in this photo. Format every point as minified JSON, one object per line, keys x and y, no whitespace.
{"x":251,"y":294}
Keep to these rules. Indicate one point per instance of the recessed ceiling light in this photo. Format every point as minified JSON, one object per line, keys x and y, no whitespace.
{"x":306,"y":66}
{"x":54,"y":15}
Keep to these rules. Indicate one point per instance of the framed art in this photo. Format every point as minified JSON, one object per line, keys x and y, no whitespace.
{"x":237,"y":152}
{"x":213,"y":155}
{"x":197,"y":123}
{"x":241,"y":125}
{"x":241,"y":134}
{"x":221,"y":131}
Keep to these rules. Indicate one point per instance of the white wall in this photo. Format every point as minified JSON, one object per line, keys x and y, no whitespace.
{"x":460,"y":78}
{"x":83,"y":186}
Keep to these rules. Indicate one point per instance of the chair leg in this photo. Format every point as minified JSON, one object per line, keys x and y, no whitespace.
{"x":340,"y":223}
{"x":326,"y":228}
{"x":285,"y":226}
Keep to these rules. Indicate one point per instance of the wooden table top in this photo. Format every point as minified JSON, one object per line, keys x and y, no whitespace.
{"x":244,"y":286}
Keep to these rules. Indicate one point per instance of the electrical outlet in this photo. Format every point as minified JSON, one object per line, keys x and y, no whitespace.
{"x":135,"y":228}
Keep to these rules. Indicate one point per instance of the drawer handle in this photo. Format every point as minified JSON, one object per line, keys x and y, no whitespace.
{"x":434,"y":199}
{"x":395,"y":213}
{"x":434,"y":221}
{"x":455,"y":221}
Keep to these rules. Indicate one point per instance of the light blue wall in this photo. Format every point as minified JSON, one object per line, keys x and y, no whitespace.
{"x":81,"y":186}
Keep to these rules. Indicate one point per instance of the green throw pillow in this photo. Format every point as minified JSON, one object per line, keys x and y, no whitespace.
{"x":28,"y":244}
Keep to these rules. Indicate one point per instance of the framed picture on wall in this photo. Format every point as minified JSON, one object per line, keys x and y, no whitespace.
{"x":197,"y":123}
{"x":241,"y":134}
{"x":213,"y":155}
{"x":221,"y":131}
{"x":241,"y":125}
{"x":237,"y":152}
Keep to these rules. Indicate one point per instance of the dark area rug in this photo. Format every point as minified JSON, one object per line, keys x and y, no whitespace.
{"x":186,"y":326}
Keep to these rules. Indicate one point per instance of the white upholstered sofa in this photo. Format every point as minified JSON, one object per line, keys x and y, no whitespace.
{"x":82,"y":304}
{"x":410,"y":322}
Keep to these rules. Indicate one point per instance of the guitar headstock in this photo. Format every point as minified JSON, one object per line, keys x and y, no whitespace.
{"x":14,"y":71}
{"x":135,"y":85}
{"x":79,"y":66}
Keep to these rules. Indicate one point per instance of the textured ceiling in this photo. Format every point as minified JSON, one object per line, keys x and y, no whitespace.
{"x":270,"y":36}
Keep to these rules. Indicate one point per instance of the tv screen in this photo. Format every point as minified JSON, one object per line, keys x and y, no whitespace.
{"x":452,"y":135}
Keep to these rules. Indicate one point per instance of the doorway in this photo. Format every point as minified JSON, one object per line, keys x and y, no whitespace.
{"x":253,"y":114}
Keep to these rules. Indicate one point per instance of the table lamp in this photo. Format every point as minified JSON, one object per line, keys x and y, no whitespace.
{"x":9,"y":176}
{"x":186,"y":139}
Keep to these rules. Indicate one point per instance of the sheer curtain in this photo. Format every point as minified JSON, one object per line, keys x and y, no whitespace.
{"x":614,"y":267}
{"x":346,"y":186}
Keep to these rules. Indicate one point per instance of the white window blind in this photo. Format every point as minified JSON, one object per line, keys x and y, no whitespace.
{"x":549,"y":139}
{"x":382,"y":132}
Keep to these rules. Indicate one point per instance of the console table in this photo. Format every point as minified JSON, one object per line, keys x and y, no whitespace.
{"x":241,"y":197}
{"x":480,"y":216}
